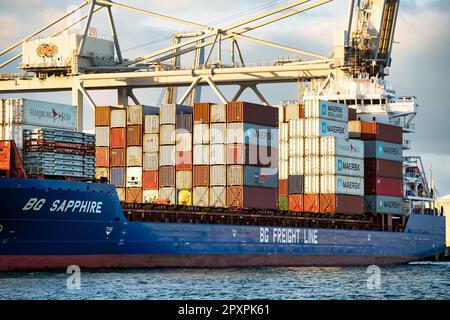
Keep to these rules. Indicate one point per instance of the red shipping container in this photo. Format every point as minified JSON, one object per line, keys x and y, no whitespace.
{"x":202,"y":112}
{"x":183,"y":160}
{"x":344,"y":204}
{"x":383,"y":186}
{"x":117,"y":158}
{"x":102,"y":156}
{"x":311,"y":203}
{"x":381,"y":131}
{"x":150,"y":179}
{"x":134,"y":135}
{"x":252,"y":197}
{"x":167,"y":176}
{"x":118,"y":138}
{"x":200,"y":176}
{"x":239,"y":111}
{"x":352,"y":114}
{"x":383,"y":168}
{"x":283,"y":187}
{"x":133,"y":195}
{"x":296,"y":202}
{"x":252,"y":155}
{"x":103,"y":115}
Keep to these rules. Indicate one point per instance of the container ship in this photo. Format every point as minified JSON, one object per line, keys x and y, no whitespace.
{"x":319,"y":181}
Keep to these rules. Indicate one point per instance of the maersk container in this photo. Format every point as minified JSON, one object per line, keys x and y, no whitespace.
{"x":312,"y":184}
{"x":168,"y":194}
{"x":245,"y":133}
{"x":136,"y":114}
{"x":134,"y":157}
{"x":167,"y":134}
{"x":218,"y":113}
{"x":102,"y":136}
{"x":151,"y":161}
{"x":312,"y":165}
{"x":283,"y":129}
{"x":297,"y":146}
{"x":283,"y":169}
{"x":251,"y":176}
{"x":334,"y":184}
{"x":167,"y":156}
{"x":201,"y":133}
{"x":118,"y":177}
{"x":323,"y":128}
{"x":167,"y":176}
{"x":332,"y":146}
{"x":218,"y":154}
{"x":383,"y":150}
{"x":218,"y":133}
{"x":218,"y":197}
{"x":297,"y":128}
{"x":383,"y":204}
{"x":200,"y":196}
{"x":218,"y":175}
{"x":151,"y":142}
{"x":118,"y":118}
{"x":184,"y":179}
{"x":168,"y":112}
{"x":315,"y":108}
{"x":296,"y":165}
{"x":342,"y":166}
{"x":150,"y":196}
{"x":134,"y":177}
{"x":296,"y":184}
{"x":183,"y":141}
{"x":201,"y":154}
{"x":151,"y":124}
{"x":312,"y":146}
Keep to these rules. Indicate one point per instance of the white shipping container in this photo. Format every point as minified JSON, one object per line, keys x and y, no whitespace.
{"x":183,"y":141}
{"x":218,"y":175}
{"x":283,"y":151}
{"x":13,"y":132}
{"x":200,"y":196}
{"x":296,"y":166}
{"x":167,"y":134}
{"x":136,"y":114}
{"x":284,"y":132}
{"x":342,"y":185}
{"x":151,"y":142}
{"x":332,"y":146}
{"x":312,"y":165}
{"x":151,"y":161}
{"x":342,"y":166}
{"x":218,"y":113}
{"x":201,"y":133}
{"x":296,"y":146}
{"x":218,"y":133}
{"x":167,"y":114}
{"x":281,"y":113}
{"x":167,"y":155}
{"x":292,"y":111}
{"x":283,"y":169}
{"x":2,"y":111}
{"x":312,"y":146}
{"x":134,"y":157}
{"x":167,"y":194}
{"x":315,"y":108}
{"x":323,"y":128}
{"x":119,"y":118}
{"x":150,"y":196}
{"x":102,"y":172}
{"x":102,"y":136}
{"x":134,"y":177}
{"x":312,"y":184}
{"x":217,"y":154}
{"x":200,"y":154}
{"x":151,"y":124}
{"x":218,"y":197}
{"x":297,"y":128}
{"x":184,"y":179}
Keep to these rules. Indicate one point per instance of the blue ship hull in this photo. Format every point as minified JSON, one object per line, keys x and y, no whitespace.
{"x":48,"y":224}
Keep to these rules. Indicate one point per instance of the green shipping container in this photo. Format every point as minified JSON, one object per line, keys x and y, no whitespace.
{"x":283,"y":203}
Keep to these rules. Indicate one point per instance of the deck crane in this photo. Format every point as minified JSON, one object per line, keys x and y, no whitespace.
{"x":355,"y":73}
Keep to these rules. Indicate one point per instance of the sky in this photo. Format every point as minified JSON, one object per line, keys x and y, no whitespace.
{"x":420,"y":66}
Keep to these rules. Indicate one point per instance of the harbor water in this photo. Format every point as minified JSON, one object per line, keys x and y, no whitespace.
{"x":421,"y":280}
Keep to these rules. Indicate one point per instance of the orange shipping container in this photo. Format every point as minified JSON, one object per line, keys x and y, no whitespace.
{"x":183,"y":160}
{"x":117,"y":158}
{"x":134,"y":135}
{"x":201,"y":176}
{"x":150,"y":179}
{"x":118,"y":138}
{"x":103,"y":115}
{"x":311,"y":203}
{"x":134,"y":195}
{"x":102,"y":156}
{"x":296,"y":202}
{"x":283,"y":187}
{"x":201,"y":112}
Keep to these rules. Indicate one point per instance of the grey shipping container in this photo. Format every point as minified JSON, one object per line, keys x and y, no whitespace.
{"x":167,"y":176}
{"x":118,"y":177}
{"x":184,"y":122}
{"x":383,"y":204}
{"x":383,"y":150}
{"x":296,"y":184}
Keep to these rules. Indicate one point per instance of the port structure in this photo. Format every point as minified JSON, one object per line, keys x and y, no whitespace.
{"x":354,"y":73}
